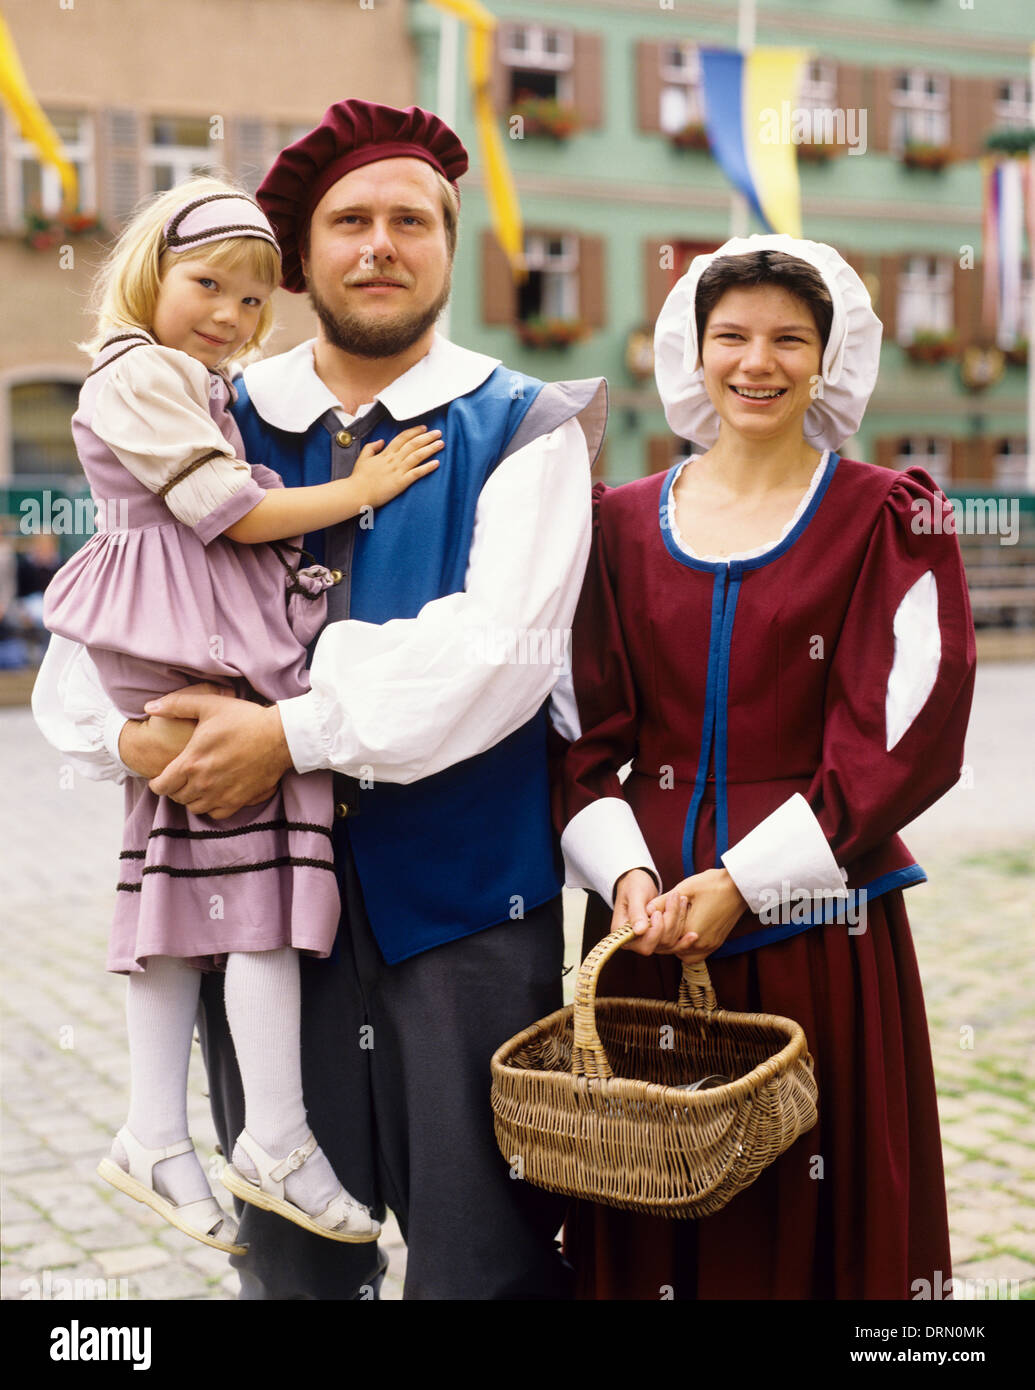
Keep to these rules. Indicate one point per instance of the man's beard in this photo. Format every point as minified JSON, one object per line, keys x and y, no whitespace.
{"x":354,"y":334}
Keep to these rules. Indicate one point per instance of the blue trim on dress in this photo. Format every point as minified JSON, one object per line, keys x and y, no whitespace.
{"x":720,"y":644}
{"x":708,"y":720}
{"x":721,"y":711}
{"x":759,"y":560}
{"x":843,"y":912}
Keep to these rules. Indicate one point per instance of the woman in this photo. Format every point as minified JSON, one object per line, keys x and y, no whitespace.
{"x":780,"y":641}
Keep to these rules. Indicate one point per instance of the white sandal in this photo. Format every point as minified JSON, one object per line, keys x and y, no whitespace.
{"x":205,"y":1220}
{"x":342,"y":1219}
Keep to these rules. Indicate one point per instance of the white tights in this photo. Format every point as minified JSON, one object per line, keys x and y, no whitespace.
{"x":263,"y":1008}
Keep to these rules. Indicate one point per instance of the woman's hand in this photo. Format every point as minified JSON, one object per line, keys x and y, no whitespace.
{"x":707,"y":906}
{"x":655,"y":930}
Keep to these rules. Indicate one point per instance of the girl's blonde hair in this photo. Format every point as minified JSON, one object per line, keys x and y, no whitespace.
{"x":126,"y":290}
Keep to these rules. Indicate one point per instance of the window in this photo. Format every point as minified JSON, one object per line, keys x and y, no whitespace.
{"x":564,"y":296}
{"x":1011,"y":464}
{"x":924,"y":297}
{"x":551,"y":290}
{"x":179,"y":148}
{"x":538,"y":62}
{"x":288,"y":132}
{"x":682,"y":91}
{"x":683,"y":252}
{"x":35,"y":187}
{"x":929,"y":452}
{"x":920,"y":109}
{"x":1013,"y":105}
{"x":41,"y":437}
{"x":818,"y":85}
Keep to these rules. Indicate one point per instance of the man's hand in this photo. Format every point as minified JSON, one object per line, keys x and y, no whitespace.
{"x":148,"y":746}
{"x":236,"y":757}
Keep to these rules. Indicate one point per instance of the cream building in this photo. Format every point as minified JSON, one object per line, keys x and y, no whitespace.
{"x":143,"y":93}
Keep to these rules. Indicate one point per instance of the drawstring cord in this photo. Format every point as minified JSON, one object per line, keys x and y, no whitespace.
{"x":319,"y":576}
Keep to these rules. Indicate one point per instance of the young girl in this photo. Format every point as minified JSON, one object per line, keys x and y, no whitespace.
{"x":189,"y":586}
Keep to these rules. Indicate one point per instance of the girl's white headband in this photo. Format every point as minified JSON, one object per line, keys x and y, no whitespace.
{"x":216,"y":217}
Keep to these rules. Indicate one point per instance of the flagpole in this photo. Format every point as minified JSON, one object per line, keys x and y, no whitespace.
{"x":445,"y":101}
{"x":745,"y":43}
{"x":1031,"y":293}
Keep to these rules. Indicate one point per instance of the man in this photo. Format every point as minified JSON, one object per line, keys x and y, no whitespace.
{"x":423,"y":698}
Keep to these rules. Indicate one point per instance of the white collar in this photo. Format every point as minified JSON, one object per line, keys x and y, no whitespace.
{"x":289,"y":395}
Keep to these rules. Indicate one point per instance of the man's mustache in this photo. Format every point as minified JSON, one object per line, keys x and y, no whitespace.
{"x":370,"y":277}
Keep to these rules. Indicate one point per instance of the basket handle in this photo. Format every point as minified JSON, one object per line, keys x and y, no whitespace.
{"x":695,"y":987}
{"x":588,"y":1057}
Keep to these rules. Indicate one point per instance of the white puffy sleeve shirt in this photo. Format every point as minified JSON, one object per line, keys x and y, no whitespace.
{"x":405,"y":699}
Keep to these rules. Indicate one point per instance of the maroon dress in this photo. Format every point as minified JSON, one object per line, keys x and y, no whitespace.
{"x":709,"y":677}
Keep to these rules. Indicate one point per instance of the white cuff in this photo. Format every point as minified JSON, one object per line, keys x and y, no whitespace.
{"x":784,"y":855}
{"x":74,"y":713}
{"x":114,"y":722}
{"x":298,"y":716}
{"x":602,"y":843}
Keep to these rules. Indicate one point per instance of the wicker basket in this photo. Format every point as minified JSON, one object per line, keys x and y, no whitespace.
{"x":607,"y":1115}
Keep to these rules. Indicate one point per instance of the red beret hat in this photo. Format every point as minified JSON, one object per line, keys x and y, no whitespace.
{"x":352,"y":133}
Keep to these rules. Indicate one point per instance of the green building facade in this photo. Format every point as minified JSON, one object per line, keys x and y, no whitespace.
{"x":601,"y":110}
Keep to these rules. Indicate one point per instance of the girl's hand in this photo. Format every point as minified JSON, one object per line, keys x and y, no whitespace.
{"x":148,"y":746}
{"x":713,"y":908}
{"x":634,"y":893}
{"x":382,"y":471}
{"x":236,"y":758}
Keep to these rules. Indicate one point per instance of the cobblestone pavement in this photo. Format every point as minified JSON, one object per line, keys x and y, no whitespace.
{"x":65,"y":1067}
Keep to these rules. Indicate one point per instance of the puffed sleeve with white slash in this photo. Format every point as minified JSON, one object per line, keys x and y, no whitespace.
{"x":897,"y":701}
{"x":600,"y":837}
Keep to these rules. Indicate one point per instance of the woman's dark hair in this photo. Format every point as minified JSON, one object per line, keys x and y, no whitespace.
{"x":795,"y":276}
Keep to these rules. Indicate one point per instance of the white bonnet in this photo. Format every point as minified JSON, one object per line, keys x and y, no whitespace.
{"x":850,"y":361}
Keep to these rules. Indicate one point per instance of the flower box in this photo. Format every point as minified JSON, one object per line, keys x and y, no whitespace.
{"x":929,"y":157}
{"x":1008,"y":140}
{"x":815,"y":152}
{"x":550,"y":333}
{"x":43,"y":232}
{"x":931,"y":347}
{"x":1017,"y":356}
{"x":545,"y":116}
{"x":692,"y":137}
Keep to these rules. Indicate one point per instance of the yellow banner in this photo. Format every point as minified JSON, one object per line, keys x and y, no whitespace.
{"x":34,"y":126}
{"x":504,"y":209}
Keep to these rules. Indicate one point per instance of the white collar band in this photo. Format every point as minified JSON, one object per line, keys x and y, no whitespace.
{"x":289,"y":395}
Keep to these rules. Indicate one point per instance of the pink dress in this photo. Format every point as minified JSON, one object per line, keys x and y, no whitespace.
{"x":162,"y":600}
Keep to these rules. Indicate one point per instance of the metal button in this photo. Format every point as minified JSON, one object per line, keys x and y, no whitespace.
{"x":337,"y":576}
{"x":344,"y":438}
{"x":341,"y":810}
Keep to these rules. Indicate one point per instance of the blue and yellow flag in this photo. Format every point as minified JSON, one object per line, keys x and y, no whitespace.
{"x":745,"y":96}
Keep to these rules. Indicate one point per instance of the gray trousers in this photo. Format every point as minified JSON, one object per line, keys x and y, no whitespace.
{"x":395,"y":1067}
